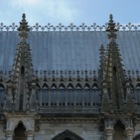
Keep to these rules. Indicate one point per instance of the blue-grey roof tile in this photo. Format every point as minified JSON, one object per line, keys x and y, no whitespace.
{"x":69,"y":50}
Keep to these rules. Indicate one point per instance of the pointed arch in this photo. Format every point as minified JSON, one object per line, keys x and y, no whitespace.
{"x":37,"y":86}
{"x":2,"y":95}
{"x":87,"y":86}
{"x":22,"y":70}
{"x":67,"y":135}
{"x":1,"y":78}
{"x":45,"y":86}
{"x":19,"y":132}
{"x":95,"y":86}
{"x":119,"y":130}
{"x":138,"y":86}
{"x":70,"y":86}
{"x":78,"y":86}
{"x":120,"y":121}
{"x":21,"y":87}
{"x":1,"y":86}
{"x":53,"y":86}
{"x":61,"y":86}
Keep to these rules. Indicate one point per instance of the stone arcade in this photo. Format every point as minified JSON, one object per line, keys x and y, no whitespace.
{"x":69,"y":83}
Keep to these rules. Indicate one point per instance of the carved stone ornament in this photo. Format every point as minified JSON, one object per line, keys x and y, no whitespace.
{"x":109,"y":131}
{"x":29,"y":133}
{"x":9,"y":134}
{"x":28,"y":122}
{"x":129,"y":131}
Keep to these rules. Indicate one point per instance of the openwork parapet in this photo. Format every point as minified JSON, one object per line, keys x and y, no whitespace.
{"x":71,"y":27}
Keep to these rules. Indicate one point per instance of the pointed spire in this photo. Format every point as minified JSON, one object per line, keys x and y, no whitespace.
{"x":23,"y":29}
{"x":113,"y":72}
{"x":22,"y":68}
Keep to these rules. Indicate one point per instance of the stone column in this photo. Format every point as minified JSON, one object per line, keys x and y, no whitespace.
{"x":129,"y":133}
{"x":9,"y":135}
{"x":30,"y":135}
{"x":109,"y":133}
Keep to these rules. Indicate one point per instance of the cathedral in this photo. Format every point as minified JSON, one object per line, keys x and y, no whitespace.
{"x":70,"y":82}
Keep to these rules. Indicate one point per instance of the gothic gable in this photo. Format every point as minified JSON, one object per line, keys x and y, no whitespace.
{"x":67,"y":135}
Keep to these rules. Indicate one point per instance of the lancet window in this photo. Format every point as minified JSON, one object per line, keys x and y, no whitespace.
{"x":2,"y":95}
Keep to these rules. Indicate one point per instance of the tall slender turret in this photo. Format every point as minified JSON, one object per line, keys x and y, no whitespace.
{"x":22,"y":70}
{"x":113,"y":73}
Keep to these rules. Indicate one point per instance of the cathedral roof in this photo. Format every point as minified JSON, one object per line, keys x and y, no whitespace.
{"x":70,"y":59}
{"x":69,"y":50}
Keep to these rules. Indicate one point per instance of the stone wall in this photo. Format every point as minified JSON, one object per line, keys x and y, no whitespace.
{"x":86,"y":130}
{"x":2,"y":132}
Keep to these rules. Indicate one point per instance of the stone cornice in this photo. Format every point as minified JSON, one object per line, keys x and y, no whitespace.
{"x":21,"y":114}
{"x":69,"y":119}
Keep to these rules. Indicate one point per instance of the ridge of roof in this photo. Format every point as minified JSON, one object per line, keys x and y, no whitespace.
{"x":71,"y":27}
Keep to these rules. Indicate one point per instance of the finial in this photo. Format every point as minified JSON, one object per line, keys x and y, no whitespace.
{"x":23,"y":25}
{"x":111,"y":24}
{"x":111,"y":18}
{"x":23,"y":29}
{"x":111,"y":28}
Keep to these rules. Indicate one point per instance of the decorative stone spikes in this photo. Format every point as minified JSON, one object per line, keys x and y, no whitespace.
{"x":102,"y":61}
{"x":23,"y":29}
{"x":102,"y":53}
{"x":129,"y":98}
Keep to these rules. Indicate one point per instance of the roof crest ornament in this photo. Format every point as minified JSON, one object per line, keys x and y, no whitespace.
{"x":111,"y":29}
{"x":23,"y":25}
{"x":71,"y":27}
{"x":23,"y":29}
